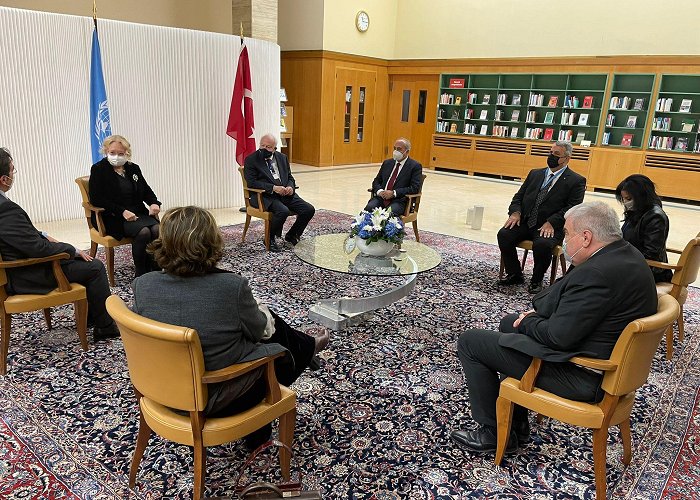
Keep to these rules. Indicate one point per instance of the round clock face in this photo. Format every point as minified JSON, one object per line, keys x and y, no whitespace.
{"x":362,"y":21}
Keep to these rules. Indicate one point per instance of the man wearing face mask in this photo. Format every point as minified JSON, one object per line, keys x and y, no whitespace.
{"x":19,"y":239}
{"x":583,"y":314}
{"x":537,"y":213}
{"x":396,"y":178}
{"x":269,"y":169}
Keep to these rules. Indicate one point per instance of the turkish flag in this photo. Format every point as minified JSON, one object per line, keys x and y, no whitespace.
{"x":241,"y":126}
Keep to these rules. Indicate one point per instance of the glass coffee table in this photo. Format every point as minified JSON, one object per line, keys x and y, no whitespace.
{"x":330,"y":252}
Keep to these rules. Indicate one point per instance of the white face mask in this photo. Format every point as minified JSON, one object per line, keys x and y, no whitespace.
{"x":116,"y":160}
{"x":570,"y":258}
{"x":629,"y":205}
{"x":398,"y":155}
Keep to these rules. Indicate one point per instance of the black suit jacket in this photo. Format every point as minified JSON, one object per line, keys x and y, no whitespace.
{"x":566,"y":192}
{"x":408,"y":181}
{"x":585,"y":312}
{"x":258,"y":176}
{"x":106,"y":193}
{"x":19,"y":239}
{"x":648,"y":233}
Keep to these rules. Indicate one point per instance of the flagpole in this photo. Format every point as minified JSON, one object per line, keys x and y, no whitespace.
{"x":94,"y":12}
{"x":242,"y":41}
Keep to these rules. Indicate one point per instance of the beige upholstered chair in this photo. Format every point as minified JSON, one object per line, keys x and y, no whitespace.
{"x":625,"y":371}
{"x":98,"y":235}
{"x":557,"y":258}
{"x":684,"y":273}
{"x":166,"y":367}
{"x":64,"y":294}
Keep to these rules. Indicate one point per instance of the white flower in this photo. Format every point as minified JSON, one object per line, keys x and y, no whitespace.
{"x":359,"y":218}
{"x":367,"y":228}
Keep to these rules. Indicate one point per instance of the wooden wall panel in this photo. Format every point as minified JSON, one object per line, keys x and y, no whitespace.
{"x":610,"y":166}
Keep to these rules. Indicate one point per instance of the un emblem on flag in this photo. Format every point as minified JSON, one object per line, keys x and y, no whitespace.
{"x":102,"y":125}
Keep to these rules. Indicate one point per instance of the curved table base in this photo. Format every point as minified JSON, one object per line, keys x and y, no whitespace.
{"x":338,"y":314}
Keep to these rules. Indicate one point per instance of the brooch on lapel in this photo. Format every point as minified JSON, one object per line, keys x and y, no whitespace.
{"x":135,"y":177}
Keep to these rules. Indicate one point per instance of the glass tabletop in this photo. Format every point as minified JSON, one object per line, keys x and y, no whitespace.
{"x":328,"y":251}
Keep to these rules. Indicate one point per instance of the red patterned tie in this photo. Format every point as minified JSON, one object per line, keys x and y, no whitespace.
{"x":392,"y":180}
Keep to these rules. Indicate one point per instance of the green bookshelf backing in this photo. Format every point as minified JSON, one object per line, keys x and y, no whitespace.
{"x":672,"y":127}
{"x":628,"y":110}
{"x":487,"y":104}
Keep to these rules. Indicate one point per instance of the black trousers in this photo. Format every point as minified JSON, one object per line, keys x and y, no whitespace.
{"x":93,"y":277}
{"x":281,"y":206}
{"x":483,"y":359}
{"x":397,"y":206}
{"x":541,"y":249}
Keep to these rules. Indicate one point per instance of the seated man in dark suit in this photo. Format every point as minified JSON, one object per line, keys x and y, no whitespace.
{"x":537,"y":213}
{"x":19,"y":239}
{"x":583,"y":313}
{"x":396,"y":178}
{"x":269,"y":169}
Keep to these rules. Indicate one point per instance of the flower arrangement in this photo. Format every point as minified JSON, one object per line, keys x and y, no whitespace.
{"x":379,"y":224}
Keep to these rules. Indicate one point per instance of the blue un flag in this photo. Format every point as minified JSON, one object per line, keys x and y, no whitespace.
{"x":100,"y":127}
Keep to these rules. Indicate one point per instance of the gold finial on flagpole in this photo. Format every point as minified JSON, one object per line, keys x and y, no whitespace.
{"x":94,"y":12}
{"x":241,"y":31}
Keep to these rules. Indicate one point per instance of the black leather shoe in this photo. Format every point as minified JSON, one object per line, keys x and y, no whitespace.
{"x":483,"y":439}
{"x":105,"y":332}
{"x":293,"y":240}
{"x":534,"y":287}
{"x":274,"y":247}
{"x":512,"y":279}
{"x":258,"y":437}
{"x":522,"y":430}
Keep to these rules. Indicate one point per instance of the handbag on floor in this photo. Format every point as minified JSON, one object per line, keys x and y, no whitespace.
{"x":264,"y":490}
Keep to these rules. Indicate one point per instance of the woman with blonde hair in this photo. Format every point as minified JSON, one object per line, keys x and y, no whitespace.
{"x":118,"y":186}
{"x":233,"y":328}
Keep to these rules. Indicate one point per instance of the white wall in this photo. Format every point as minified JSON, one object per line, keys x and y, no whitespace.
{"x":169,"y":92}
{"x":300,"y":24}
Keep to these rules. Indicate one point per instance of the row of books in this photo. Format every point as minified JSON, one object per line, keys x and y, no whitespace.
{"x":500,"y":131}
{"x":661,"y":124}
{"x":665,"y":104}
{"x":665,"y":142}
{"x":502,"y":99}
{"x":625,"y":141}
{"x":630,"y":123}
{"x":625,"y":102}
{"x":446,"y":126}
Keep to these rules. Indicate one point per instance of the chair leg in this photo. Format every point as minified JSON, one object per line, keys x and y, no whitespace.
{"x":562,"y":262}
{"x":5,"y":328}
{"x":81,"y":309}
{"x":415,"y":230}
{"x":600,"y":443}
{"x":553,"y":274}
{"x":539,"y":418}
{"x":286,"y":430}
{"x":626,"y":441}
{"x":47,"y":318}
{"x":504,"y":418}
{"x":267,"y":235}
{"x":245,"y":228}
{"x":681,"y":332}
{"x":93,"y":249}
{"x":522,"y":263}
{"x":110,"y":265}
{"x":141,"y":443}
{"x":200,"y":467}
{"x":669,"y":342}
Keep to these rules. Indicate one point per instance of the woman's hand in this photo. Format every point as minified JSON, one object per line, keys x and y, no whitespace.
{"x":154,"y":209}
{"x":129,"y":215}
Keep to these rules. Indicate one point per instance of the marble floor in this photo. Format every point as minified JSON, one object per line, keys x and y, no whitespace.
{"x":446,"y":198}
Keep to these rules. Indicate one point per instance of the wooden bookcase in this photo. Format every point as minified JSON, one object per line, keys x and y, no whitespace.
{"x":628,"y":110}
{"x":535,"y":106}
{"x":676,"y":115}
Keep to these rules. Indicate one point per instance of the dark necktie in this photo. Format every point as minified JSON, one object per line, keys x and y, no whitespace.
{"x":392,"y":180}
{"x":532,"y":216}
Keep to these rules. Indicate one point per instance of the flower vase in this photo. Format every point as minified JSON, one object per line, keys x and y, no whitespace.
{"x":378,"y":248}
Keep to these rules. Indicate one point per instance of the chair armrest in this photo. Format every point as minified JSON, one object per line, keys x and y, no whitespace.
{"x":234,"y":371}
{"x":674,"y":250}
{"x":598,"y":364}
{"x":527,"y":383}
{"x":61,"y":280}
{"x":662,"y":265}
{"x":98,"y":217}
{"x":414,"y":196}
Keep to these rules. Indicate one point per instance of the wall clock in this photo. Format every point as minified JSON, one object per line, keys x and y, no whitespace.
{"x":362,"y":21}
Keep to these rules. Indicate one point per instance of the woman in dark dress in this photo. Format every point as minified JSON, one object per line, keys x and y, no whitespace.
{"x":118,"y":186}
{"x":646,"y":224}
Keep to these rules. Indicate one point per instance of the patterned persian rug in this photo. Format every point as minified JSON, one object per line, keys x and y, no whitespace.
{"x":374,"y":422}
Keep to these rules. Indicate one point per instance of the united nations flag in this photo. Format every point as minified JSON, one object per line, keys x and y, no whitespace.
{"x":99,"y":112}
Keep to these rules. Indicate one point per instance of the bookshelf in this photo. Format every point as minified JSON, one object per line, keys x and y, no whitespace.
{"x":628,"y":110}
{"x":676,"y":115}
{"x":539,"y":107}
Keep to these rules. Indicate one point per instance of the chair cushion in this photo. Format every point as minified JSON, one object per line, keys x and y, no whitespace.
{"x":32,"y":302}
{"x":175,"y":427}
{"x":107,"y":241}
{"x":664,"y":288}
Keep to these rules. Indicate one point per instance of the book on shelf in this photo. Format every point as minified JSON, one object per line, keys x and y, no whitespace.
{"x":484,"y":130}
{"x":531,"y":116}
{"x":568,"y":118}
{"x":687,"y":125}
{"x":664,"y":104}
{"x":553,"y":100}
{"x":283,"y":110}
{"x":536,"y":100}
{"x":631,"y":121}
{"x":515,"y":115}
{"x":486,"y":99}
{"x":639,"y":104}
{"x":588,"y":101}
{"x":445,"y":98}
{"x":660,"y":142}
{"x":549,"y":117}
{"x":626,"y":140}
{"x":468,"y":113}
{"x":471,"y":97}
{"x":500,"y":131}
{"x":502,"y":99}
{"x":620,"y":102}
{"x":685,"y":106}
{"x":283,"y":95}
{"x":533,"y":133}
{"x":456,"y":83}
{"x":548,"y":134}
{"x":610,"y":120}
{"x":681,"y":144}
{"x":484,"y":114}
{"x":283,"y":125}
{"x":514,"y":132}
{"x":580,"y":137}
{"x":498,"y":115}
{"x":571,"y":101}
{"x":455,"y":115}
{"x":469,"y":128}
{"x":458,"y":100}
{"x":606,"y":138}
{"x":585,"y":143}
{"x":565,"y":135}
{"x":583,"y":119}
{"x":453,"y":128}
{"x":663,"y":123}
{"x":515,"y":100}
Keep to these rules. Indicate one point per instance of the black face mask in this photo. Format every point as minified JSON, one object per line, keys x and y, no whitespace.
{"x":265,"y":153}
{"x":553,"y":161}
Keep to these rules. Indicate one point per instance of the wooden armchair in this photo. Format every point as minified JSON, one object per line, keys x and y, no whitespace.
{"x":98,"y":235}
{"x":410,"y":213}
{"x":557,"y":260}
{"x":684,"y":273}
{"x":166,"y":367}
{"x":625,"y":371}
{"x":64,"y":294}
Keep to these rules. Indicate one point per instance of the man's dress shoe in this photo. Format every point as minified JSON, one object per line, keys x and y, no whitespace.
{"x":482,"y":439}
{"x":512,"y":279}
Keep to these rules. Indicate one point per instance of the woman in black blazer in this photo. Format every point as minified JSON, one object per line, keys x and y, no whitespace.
{"x":646,"y":224}
{"x":118,"y":186}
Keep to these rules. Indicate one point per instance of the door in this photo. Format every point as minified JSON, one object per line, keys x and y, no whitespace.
{"x":412,"y":113}
{"x":353,"y":121}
